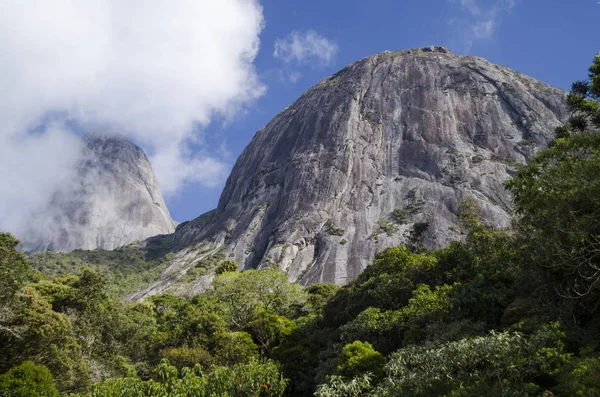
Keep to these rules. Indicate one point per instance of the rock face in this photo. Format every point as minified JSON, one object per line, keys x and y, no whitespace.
{"x":114,"y":199}
{"x":388,"y":143}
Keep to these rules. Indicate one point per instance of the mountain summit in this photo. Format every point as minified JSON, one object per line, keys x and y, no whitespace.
{"x":113,"y":200}
{"x":379,"y":153}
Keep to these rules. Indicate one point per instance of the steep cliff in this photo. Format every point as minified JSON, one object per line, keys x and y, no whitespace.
{"x":383,"y":150}
{"x":113,"y":200}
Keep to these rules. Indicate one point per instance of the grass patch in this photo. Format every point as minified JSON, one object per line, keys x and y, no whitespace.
{"x":332,"y":229}
{"x":388,"y":227}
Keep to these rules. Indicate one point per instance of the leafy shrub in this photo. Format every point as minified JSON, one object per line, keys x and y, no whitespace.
{"x":187,"y":356}
{"x":319,"y":294}
{"x":360,"y":357}
{"x":387,"y":284}
{"x":28,"y":380}
{"x":332,"y":229}
{"x":500,"y":361}
{"x":244,"y":380}
{"x":227,"y":266}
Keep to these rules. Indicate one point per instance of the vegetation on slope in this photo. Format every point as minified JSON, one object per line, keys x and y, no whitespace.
{"x":500,"y":313}
{"x":126,"y":270}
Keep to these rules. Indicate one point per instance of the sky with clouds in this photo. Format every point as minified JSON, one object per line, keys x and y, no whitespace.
{"x":192,"y":81}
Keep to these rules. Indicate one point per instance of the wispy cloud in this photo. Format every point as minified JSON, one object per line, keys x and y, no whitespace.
{"x":471,"y":5}
{"x":484,"y":29}
{"x":302,"y":49}
{"x":480,"y":19}
{"x":305,"y":48}
{"x":294,"y":77}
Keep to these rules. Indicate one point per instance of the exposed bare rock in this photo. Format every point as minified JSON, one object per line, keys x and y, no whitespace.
{"x":392,"y":141}
{"x":115,"y":199}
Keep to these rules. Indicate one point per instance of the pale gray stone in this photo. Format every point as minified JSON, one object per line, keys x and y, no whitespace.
{"x":114,"y":199}
{"x":315,"y":190}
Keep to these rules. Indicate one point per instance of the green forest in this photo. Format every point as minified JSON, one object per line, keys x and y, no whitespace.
{"x":513,"y":312}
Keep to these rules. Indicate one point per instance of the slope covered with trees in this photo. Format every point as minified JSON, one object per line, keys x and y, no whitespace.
{"x":501,"y":313}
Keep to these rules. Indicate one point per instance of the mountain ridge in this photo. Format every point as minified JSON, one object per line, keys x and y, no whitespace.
{"x":113,"y":199}
{"x":386,"y":145}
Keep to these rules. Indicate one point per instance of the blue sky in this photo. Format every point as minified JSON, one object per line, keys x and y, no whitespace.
{"x":553,"y":41}
{"x":192,"y":81}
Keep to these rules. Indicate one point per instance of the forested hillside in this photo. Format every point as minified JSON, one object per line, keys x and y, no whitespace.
{"x":509,"y":312}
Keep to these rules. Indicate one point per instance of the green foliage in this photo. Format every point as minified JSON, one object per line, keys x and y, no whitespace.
{"x":319,"y":294}
{"x":387,"y":284}
{"x":244,"y":295}
{"x":580,"y":378}
{"x":268,"y":329}
{"x":299,"y":354}
{"x":501,"y":362}
{"x":226,"y":267}
{"x":384,"y":329}
{"x":556,"y":196}
{"x":403,"y":215}
{"x":498,"y":364}
{"x":477,"y":159}
{"x":212,"y":261}
{"x":556,"y":201}
{"x":234,"y":348}
{"x":415,"y":236}
{"x":124,"y":270}
{"x":332,"y":229}
{"x":481,"y":269}
{"x":182,"y":323}
{"x":337,"y":386}
{"x":244,"y":380}
{"x":48,"y":338}
{"x":13,"y":267}
{"x":426,"y":303}
{"x":28,"y":380}
{"x":584,"y":99}
{"x":503,"y":160}
{"x":247,"y":380}
{"x":187,"y":356}
{"x":14,"y":272}
{"x":358,"y":357}
{"x":388,"y":227}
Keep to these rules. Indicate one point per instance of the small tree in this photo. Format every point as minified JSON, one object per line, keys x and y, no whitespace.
{"x":269,"y":329}
{"x":584,"y":101}
{"x":227,"y":266}
{"x":28,"y":380}
{"x":14,"y":270}
{"x":360,"y":357}
{"x":13,"y":267}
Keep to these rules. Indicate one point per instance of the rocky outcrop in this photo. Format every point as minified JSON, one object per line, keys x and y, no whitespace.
{"x":388,"y":143}
{"x":114,"y":199}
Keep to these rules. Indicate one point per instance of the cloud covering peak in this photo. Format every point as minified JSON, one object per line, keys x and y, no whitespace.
{"x":154,"y":71}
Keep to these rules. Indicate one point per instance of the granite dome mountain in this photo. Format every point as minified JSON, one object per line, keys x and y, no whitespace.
{"x":382,"y":151}
{"x":113,"y":200}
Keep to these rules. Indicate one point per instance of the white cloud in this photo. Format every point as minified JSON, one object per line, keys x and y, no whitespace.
{"x":471,"y":5}
{"x":481,"y":21}
{"x":305,"y":48}
{"x":33,"y":166}
{"x":295,"y":77}
{"x":205,"y":169}
{"x":154,"y":71}
{"x":484,"y":29}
